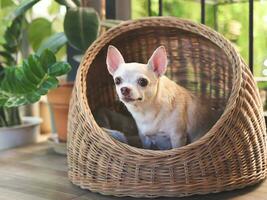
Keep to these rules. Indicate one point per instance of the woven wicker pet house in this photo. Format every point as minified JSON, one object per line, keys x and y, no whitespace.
{"x":231,"y":155}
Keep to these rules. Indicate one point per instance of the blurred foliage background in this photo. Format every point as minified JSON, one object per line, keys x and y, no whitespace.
{"x":43,"y":20}
{"x":230,"y":19}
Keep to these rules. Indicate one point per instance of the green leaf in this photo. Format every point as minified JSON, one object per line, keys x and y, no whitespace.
{"x":22,"y":80}
{"x":6,"y":3}
{"x":67,"y":3}
{"x":17,"y":77}
{"x":33,"y":97}
{"x":12,"y":35}
{"x":77,"y":2}
{"x":29,"y":74}
{"x":53,"y":43}
{"x":7,"y":83}
{"x":262,"y":85}
{"x":38,"y":30}
{"x":47,"y":59}
{"x":59,"y":69}
{"x":23,"y":7}
{"x":6,"y":7}
{"x":81,"y":26}
{"x":25,"y":84}
{"x":50,"y":83}
{"x":36,"y":66}
{"x":3,"y":100}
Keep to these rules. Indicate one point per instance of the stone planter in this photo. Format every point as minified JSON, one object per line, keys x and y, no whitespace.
{"x":20,"y":135}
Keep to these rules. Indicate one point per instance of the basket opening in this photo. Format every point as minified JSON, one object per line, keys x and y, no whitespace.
{"x":194,"y":63}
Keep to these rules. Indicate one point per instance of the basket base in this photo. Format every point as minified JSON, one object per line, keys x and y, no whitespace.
{"x":226,"y":193}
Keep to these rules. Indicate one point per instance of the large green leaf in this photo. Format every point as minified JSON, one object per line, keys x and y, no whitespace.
{"x":81,"y":26}
{"x":67,"y":3}
{"x":38,"y":30}
{"x":47,"y":59}
{"x":12,"y":35}
{"x":25,"y":84}
{"x":58,"y":69}
{"x":36,"y":66}
{"x":77,"y":2}
{"x":54,"y":43}
{"x":23,"y":7}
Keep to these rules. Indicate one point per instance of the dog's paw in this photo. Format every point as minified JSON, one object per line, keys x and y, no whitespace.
{"x":117,"y":135}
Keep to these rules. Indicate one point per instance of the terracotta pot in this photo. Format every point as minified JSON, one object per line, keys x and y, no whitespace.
{"x":59,"y":100}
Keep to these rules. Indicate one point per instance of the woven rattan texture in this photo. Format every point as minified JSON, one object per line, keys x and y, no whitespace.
{"x":231,"y":155}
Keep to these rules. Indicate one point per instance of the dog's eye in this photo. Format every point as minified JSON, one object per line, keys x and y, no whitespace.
{"x":142,"y":82}
{"x":118,"y":80}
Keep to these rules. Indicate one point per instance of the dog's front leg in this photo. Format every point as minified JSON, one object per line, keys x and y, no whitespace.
{"x":146,"y":142}
{"x":178,"y":139}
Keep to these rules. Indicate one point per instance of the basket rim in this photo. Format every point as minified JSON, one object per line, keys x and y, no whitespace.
{"x":171,"y":22}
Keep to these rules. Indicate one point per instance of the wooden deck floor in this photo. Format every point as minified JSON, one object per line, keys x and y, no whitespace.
{"x":37,"y":173}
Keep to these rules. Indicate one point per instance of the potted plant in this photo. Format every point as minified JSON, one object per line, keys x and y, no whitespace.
{"x":22,"y":83}
{"x":25,"y":84}
{"x":81,"y":28}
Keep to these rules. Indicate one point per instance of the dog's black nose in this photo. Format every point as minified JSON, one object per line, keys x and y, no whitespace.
{"x":125,"y":91}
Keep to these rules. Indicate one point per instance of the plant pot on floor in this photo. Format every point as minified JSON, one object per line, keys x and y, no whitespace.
{"x":59,"y":100}
{"x":26,"y":133}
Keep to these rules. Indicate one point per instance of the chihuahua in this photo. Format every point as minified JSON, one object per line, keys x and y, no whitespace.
{"x":167,"y":115}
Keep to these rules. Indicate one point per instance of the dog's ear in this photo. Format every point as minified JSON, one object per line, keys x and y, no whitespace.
{"x":114,"y":59}
{"x":158,"y":61}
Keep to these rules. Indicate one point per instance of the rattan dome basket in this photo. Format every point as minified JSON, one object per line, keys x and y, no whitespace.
{"x":231,"y":155}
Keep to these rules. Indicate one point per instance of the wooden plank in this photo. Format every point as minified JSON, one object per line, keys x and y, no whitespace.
{"x":25,"y":169}
{"x":37,"y":190}
{"x":6,"y":194}
{"x":37,"y":173}
{"x":49,"y":161}
{"x":30,"y":185}
{"x":23,"y":153}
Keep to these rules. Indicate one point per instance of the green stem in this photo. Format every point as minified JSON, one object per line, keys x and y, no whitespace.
{"x":9,"y":117}
{"x":77,"y":2}
{"x":2,"y":117}
{"x":16,"y":116}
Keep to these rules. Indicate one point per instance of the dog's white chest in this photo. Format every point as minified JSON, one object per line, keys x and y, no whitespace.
{"x":154,"y":131}
{"x":156,"y":123}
